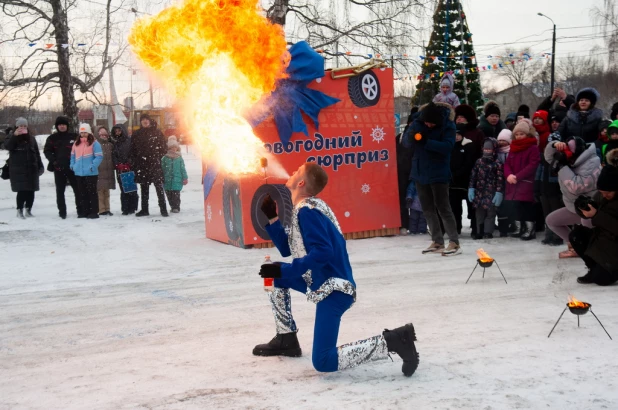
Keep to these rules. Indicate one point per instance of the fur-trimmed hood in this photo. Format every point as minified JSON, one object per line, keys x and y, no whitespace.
{"x":451,"y":110}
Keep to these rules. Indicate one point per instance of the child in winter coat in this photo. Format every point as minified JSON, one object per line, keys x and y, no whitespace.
{"x":418,"y":223}
{"x":446,"y":95}
{"x":612,"y":142}
{"x":505,"y":210}
{"x":520,"y":168}
{"x":463,"y":158}
{"x":174,"y":173}
{"x":486,"y":189}
{"x":106,"y":179}
{"x":546,"y":184}
{"x":578,"y":168}
{"x":86,"y":156}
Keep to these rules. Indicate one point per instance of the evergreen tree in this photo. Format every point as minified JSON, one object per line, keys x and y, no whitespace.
{"x":445,"y":44}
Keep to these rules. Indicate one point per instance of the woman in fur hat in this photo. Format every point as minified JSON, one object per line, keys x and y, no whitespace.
{"x":583,"y":118}
{"x":597,"y":245}
{"x":578,"y":168}
{"x":520,"y":168}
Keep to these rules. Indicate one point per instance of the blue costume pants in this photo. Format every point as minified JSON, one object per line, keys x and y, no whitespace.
{"x":326,"y":356}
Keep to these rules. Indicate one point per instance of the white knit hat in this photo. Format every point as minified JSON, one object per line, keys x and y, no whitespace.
{"x":172,"y":142}
{"x":85,"y":127}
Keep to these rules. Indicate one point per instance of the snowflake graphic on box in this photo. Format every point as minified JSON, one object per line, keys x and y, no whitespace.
{"x":209,"y":212}
{"x":378,"y":134}
{"x":365,"y":188}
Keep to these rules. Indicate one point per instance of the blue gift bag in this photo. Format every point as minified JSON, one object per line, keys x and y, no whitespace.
{"x":128,"y":182}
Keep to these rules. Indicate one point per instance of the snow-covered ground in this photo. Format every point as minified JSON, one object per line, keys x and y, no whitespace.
{"x":126,"y":312}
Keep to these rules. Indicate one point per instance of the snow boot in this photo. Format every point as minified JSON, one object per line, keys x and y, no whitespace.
{"x":401,"y":341}
{"x":20,"y":214}
{"x":164,"y":212}
{"x":284,"y":344}
{"x":62,"y":215}
{"x":549,"y":237}
{"x":517,"y":232}
{"x":143,"y":212}
{"x":28,"y":213}
{"x":529,"y":232}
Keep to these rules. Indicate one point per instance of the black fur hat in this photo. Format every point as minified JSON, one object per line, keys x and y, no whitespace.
{"x":431,"y":113}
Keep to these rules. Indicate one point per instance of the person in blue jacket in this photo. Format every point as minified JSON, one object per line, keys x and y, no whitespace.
{"x":86,"y":156}
{"x":321,"y":269}
{"x":432,"y":134}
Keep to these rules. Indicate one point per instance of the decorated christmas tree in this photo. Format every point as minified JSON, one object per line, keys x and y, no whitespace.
{"x":450,"y":49}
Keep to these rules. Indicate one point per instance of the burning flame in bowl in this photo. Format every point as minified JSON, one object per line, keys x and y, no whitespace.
{"x":574,"y":303}
{"x":483,"y":256}
{"x":218,"y":58}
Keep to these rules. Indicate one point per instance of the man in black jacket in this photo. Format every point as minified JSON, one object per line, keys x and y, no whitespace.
{"x":58,"y":151}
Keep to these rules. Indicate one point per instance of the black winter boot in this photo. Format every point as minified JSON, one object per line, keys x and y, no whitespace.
{"x":28,"y":213}
{"x":529,"y":232}
{"x":20,"y":213}
{"x":142,"y":213}
{"x":549,"y":237}
{"x":284,"y":344}
{"x":401,"y":341}
{"x":518,"y":231}
{"x":555,"y":240}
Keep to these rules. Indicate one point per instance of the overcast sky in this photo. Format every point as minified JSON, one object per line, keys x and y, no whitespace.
{"x":493,"y":23}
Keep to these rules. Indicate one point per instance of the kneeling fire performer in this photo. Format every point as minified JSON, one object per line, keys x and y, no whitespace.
{"x":321,"y":269}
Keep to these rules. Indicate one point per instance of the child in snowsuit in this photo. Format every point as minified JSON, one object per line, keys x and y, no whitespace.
{"x":446,"y":95}
{"x":520,"y":168}
{"x":418,"y":223}
{"x":486,"y":189}
{"x":174,"y":173}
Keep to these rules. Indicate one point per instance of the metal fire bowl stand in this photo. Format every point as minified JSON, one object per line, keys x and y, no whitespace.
{"x":578,"y":312}
{"x":486,"y":265}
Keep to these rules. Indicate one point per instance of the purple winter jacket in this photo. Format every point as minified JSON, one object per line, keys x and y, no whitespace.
{"x":523,"y":165}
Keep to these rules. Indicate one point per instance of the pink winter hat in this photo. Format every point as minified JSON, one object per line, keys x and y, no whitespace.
{"x":505,"y":135}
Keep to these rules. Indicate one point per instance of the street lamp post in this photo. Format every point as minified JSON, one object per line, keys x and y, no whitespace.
{"x":553,"y":52}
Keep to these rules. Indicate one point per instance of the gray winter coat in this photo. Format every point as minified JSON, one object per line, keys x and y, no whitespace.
{"x":106,"y":178}
{"x":579,"y":178}
{"x":25,"y":165}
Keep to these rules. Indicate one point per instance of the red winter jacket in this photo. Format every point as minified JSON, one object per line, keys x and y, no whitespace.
{"x":523,"y":164}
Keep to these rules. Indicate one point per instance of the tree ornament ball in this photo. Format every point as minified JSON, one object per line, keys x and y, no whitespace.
{"x":418,"y":136}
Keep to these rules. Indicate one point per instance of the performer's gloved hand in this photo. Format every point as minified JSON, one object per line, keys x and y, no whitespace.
{"x":498,"y":197}
{"x":470,"y":194}
{"x":420,"y":138}
{"x":269,"y":207}
{"x":270,"y":270}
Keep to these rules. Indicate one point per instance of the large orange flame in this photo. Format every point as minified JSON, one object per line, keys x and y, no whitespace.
{"x":218,"y":58}
{"x":577,"y":303}
{"x":483,"y":256}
